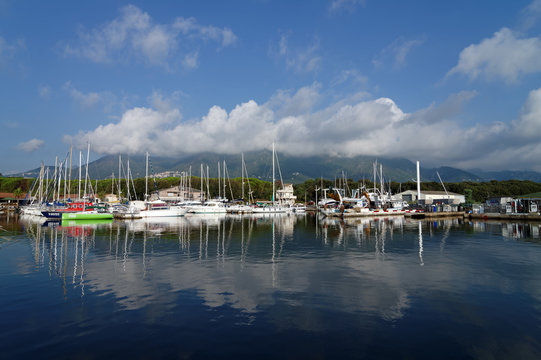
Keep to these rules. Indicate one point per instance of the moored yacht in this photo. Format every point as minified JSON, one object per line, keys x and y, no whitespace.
{"x":159,"y":208}
{"x":208,"y":207}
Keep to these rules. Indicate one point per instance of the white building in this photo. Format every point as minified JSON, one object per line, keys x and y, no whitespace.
{"x":431,"y":197}
{"x":285,"y":196}
{"x":111,"y":198}
{"x":175,"y":194}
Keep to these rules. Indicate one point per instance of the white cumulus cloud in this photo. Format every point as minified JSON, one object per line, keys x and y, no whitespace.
{"x":133,"y":34}
{"x":349,"y":127}
{"x":529,"y":122}
{"x":30,"y":145}
{"x":506,"y":56}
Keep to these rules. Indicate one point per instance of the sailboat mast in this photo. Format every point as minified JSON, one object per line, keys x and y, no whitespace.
{"x":55,"y":178}
{"x":46,"y":184}
{"x":375,"y":165}
{"x":381,"y":177}
{"x":418,"y":183}
{"x":219,"y":184}
{"x":86,"y":172}
{"x":146,"y":178}
{"x":65,"y":177}
{"x":41,"y":174}
{"x":273,"y":176}
{"x":69,"y":182}
{"x":80,"y":166}
{"x":242,"y":175}
{"x":128,"y":179}
{"x":208,"y":190}
{"x":201,"y":191}
{"x":60,"y":168}
{"x":59,"y":177}
{"x":119,"y":176}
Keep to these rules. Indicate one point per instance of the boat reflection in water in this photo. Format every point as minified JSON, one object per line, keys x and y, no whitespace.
{"x":243,"y":278}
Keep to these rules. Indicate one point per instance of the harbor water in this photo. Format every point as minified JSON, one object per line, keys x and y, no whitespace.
{"x":270,"y":286}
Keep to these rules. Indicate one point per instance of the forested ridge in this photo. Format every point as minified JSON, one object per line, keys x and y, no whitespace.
{"x":262,"y":190}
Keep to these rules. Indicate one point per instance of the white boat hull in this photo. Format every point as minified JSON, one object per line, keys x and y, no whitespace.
{"x":162,"y":213}
{"x":269,"y":210}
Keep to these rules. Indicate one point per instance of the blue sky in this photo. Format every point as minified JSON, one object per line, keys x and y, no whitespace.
{"x":449,"y":83}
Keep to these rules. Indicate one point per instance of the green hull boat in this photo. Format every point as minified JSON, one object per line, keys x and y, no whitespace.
{"x":86,"y":215}
{"x":92,"y":222}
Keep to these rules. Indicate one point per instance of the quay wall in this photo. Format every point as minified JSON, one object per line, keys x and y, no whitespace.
{"x":496,"y":216}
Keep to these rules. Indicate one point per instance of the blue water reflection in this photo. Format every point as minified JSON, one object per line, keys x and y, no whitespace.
{"x":270,"y":286}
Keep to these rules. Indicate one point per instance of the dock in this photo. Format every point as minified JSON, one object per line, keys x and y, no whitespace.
{"x":437,"y":215}
{"x":510,"y":217}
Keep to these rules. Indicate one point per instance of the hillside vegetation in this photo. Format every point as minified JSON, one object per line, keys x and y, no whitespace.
{"x":262,"y":190}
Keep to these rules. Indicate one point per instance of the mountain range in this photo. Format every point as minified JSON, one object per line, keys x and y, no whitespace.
{"x":293,"y":169}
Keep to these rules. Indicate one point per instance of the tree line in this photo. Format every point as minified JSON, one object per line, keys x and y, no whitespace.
{"x":262,"y":190}
{"x":479,"y":191}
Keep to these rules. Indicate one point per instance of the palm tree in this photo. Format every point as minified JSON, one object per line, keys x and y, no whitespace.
{"x":17,"y":193}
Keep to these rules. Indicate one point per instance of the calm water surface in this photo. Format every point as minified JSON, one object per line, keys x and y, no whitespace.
{"x":270,"y":287}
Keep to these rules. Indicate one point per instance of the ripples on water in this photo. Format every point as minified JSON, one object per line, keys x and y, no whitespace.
{"x":280,"y":286}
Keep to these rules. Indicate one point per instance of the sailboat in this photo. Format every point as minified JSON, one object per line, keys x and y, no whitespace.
{"x":362,"y":202}
{"x":158,"y":208}
{"x":274,"y":208}
{"x":242,"y":208}
{"x":87,"y":212}
{"x":210,"y":206}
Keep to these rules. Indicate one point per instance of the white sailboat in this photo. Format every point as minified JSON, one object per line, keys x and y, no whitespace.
{"x":274,"y":208}
{"x":241,"y":208}
{"x":210,"y":206}
{"x":157,"y":208}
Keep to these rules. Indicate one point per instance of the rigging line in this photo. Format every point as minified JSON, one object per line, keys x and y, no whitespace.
{"x":279,"y":171}
{"x":250,"y":196}
{"x":229,"y":180}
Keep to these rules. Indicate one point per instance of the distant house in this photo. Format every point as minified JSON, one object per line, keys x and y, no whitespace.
{"x":285,"y":196}
{"x":432,"y":197}
{"x":111,"y":198}
{"x":166,"y":174}
{"x":176,"y":194}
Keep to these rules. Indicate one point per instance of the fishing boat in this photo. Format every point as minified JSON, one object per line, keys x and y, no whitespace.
{"x":362,"y":202}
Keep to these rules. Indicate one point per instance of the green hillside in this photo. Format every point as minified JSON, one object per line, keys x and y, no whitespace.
{"x":293,"y":169}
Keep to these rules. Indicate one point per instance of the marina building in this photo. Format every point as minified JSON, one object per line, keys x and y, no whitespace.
{"x":432,"y":197}
{"x":176,"y":194}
